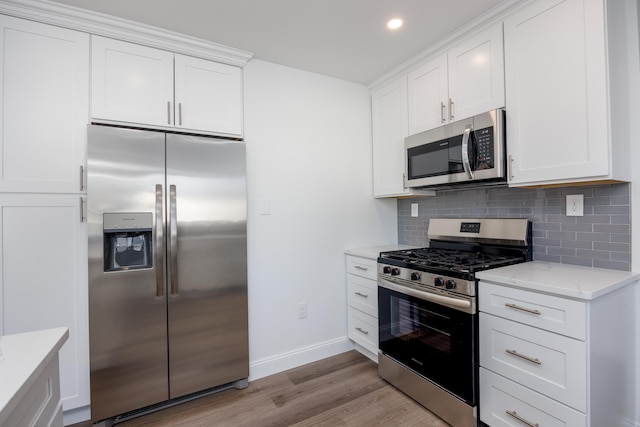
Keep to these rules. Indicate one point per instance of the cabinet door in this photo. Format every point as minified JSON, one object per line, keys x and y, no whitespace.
{"x":428,"y":95}
{"x":476,"y":74}
{"x":556,"y":96}
{"x":44,"y":279}
{"x":208,"y":96}
{"x":44,"y":72}
{"x":131,"y":83}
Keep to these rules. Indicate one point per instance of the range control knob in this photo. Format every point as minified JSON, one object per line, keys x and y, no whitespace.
{"x":395,"y":271}
{"x":438,"y":281}
{"x":450,"y":284}
{"x":415,"y":276}
{"x":386,"y":270}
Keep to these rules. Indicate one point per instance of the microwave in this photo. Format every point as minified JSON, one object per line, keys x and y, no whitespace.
{"x":469,"y":152}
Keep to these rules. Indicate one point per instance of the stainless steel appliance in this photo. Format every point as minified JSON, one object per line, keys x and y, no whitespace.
{"x":167,"y":268}
{"x":428,"y":316}
{"x":469,"y":152}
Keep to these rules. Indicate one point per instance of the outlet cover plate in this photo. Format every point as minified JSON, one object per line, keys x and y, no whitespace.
{"x":575,"y":205}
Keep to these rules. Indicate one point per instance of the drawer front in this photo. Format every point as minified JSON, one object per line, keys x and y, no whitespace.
{"x":551,"y":364}
{"x":505,"y":403}
{"x":362,"y":267}
{"x":555,"y":314}
{"x":363,"y":294}
{"x":363,"y":329}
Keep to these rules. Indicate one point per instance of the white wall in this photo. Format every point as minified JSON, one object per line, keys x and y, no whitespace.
{"x":309,"y":154}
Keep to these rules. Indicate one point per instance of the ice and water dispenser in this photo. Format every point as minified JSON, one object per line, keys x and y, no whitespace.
{"x":127,"y":241}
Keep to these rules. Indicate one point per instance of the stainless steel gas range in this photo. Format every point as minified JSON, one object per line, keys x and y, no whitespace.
{"x":427,"y":310}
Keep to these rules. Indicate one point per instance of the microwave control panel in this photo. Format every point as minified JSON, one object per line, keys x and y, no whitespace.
{"x":484,"y":144}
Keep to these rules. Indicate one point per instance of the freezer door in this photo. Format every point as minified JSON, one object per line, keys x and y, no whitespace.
{"x":207,"y":259}
{"x":127,"y":307}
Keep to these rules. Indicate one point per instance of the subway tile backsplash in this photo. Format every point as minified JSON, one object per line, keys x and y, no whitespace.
{"x":600,"y":238}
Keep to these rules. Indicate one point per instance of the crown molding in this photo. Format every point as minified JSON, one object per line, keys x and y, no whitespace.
{"x":122,"y":29}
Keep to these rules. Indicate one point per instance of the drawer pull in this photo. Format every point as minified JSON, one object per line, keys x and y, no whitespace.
{"x":360,"y":294}
{"x":358,"y":328}
{"x":517,"y":307}
{"x":522,"y":356}
{"x":359,"y":267}
{"x":522,"y":420}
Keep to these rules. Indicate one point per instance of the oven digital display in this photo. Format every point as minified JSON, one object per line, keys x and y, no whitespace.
{"x":470,"y":227}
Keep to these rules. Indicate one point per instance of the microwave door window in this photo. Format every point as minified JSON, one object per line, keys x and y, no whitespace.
{"x":455,"y":154}
{"x":429,"y":159}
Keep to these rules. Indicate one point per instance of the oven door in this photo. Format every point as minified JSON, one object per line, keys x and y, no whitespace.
{"x":432,"y":334}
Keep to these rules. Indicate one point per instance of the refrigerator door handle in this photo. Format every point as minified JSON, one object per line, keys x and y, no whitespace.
{"x":159,"y":237}
{"x":173,"y":237}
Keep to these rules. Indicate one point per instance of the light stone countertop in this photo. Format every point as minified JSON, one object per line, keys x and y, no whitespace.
{"x":569,"y":281}
{"x":22,"y":358}
{"x":372,"y":252}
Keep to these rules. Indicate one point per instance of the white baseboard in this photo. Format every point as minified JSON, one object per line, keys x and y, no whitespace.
{"x":76,"y":415}
{"x":292,"y":359}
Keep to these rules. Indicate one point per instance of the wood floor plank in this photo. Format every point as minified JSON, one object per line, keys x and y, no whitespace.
{"x":341,"y":391}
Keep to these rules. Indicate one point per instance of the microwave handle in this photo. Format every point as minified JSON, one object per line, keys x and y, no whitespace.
{"x":465,"y":151}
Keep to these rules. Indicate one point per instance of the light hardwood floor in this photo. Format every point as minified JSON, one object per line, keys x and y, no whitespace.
{"x":344,"y":390}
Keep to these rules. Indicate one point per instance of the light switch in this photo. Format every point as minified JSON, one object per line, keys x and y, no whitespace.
{"x":414,"y":210}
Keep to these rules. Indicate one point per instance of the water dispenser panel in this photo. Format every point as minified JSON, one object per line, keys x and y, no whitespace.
{"x":127,"y":241}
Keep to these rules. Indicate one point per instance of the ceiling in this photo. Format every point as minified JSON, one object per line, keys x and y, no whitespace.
{"x":346,"y":39}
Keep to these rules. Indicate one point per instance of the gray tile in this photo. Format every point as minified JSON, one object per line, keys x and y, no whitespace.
{"x":577,"y":227}
{"x":607,"y":228}
{"x":614,"y":265}
{"x":611,"y":247}
{"x":588,"y":262}
{"x":611,"y":210}
{"x":594,"y":237}
{"x":547,"y":258}
{"x":585,"y":253}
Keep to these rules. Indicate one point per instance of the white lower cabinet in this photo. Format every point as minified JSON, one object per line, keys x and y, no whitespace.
{"x":362,"y":299}
{"x":547,"y":360}
{"x":44,"y":279}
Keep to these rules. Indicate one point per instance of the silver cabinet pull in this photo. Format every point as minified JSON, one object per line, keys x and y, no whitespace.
{"x":359,"y":267}
{"x":81,"y":178}
{"x":180,"y":113}
{"x":510,"y":167}
{"x":81,"y":209}
{"x":360,"y":294}
{"x":522,"y":420}
{"x":358,"y":328}
{"x":173,"y":237}
{"x":442,"y":119}
{"x":168,"y":112}
{"x":450,"y":109}
{"x":526,"y":310}
{"x":159,"y":256}
{"x":522,"y":356}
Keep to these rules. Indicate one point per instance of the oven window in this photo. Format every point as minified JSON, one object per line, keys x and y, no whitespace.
{"x":417,"y":324}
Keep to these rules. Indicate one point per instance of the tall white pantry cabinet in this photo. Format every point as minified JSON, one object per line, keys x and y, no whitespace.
{"x":44,"y":72}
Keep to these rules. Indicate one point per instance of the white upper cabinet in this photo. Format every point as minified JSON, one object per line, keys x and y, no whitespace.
{"x":389,"y":119}
{"x":142,"y":85}
{"x":566,"y":121}
{"x":465,"y":81}
{"x":44,"y":75}
{"x":208,"y":95}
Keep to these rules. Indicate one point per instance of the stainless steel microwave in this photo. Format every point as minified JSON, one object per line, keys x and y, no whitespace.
{"x":468,"y":152}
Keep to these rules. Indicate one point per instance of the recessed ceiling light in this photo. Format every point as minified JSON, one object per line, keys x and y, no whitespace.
{"x":394,"y":24}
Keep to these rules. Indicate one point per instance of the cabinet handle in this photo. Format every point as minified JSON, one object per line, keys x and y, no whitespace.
{"x":441,"y":111}
{"x":510,"y":167}
{"x":360,"y":294}
{"x":522,"y":356}
{"x":522,"y":420}
{"x":168,"y":112}
{"x":359,"y":267}
{"x":81,"y":209}
{"x":180,"y":113}
{"x":526,"y":310}
{"x":450,"y":109}
{"x":358,"y":328}
{"x":81,"y":178}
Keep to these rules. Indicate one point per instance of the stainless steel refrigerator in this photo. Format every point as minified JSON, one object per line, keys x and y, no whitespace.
{"x":167,"y":267}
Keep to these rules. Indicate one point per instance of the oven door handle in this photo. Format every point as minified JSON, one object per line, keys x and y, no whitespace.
{"x":460,"y":304}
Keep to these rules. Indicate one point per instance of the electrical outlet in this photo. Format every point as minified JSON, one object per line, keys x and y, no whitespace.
{"x":414,"y":210}
{"x":575,"y":205}
{"x":302,"y":310}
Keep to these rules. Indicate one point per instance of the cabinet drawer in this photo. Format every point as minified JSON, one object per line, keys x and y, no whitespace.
{"x":500,"y":397}
{"x":363,"y":294}
{"x":362,"y":267}
{"x":559,"y":315}
{"x":363,"y":329}
{"x":551,"y":364}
